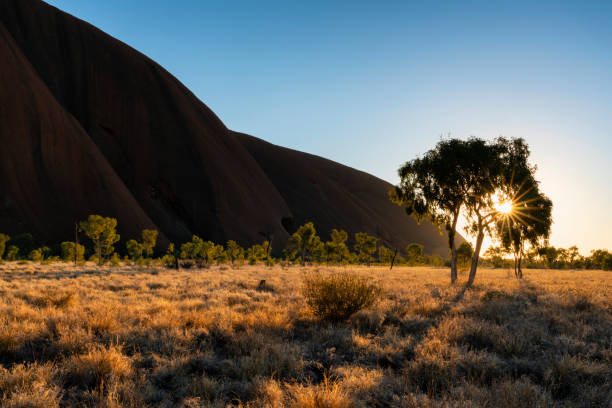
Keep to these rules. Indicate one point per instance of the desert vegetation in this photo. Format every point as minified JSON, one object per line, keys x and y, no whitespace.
{"x":341,"y":321}
{"x":134,"y":336}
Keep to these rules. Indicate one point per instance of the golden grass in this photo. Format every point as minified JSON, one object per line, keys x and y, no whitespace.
{"x":133,"y":336}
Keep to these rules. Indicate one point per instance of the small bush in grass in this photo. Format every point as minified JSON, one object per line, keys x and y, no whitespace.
{"x":336,"y":297}
{"x":96,"y":368}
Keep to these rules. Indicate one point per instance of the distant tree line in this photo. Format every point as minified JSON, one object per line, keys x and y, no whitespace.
{"x":303,"y":247}
{"x":549,"y":257}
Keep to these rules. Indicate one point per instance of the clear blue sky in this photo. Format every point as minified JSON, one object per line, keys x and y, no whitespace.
{"x":373,"y":84}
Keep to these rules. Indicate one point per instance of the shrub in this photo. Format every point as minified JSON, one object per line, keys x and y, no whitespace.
{"x":35,"y":255}
{"x":12,"y":252}
{"x":96,"y":368}
{"x":336,"y":297}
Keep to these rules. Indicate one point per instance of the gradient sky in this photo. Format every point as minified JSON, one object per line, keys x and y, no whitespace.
{"x":373,"y":84}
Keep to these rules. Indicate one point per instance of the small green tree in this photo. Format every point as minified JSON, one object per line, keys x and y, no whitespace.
{"x":3,"y":240}
{"x":256,"y":253}
{"x":414,"y":253}
{"x":134,"y":249}
{"x":302,"y":242}
{"x":35,"y":255}
{"x":365,"y":247}
{"x":102,"y":232}
{"x":68,"y":252}
{"x":149,"y":240}
{"x":336,"y":249}
{"x":495,"y":254}
{"x":12,"y":252}
{"x":464,"y":255}
{"x":385,"y":255}
{"x":189,"y":249}
{"x":234,"y":252}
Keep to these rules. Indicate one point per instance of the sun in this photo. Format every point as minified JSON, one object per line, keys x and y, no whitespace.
{"x":504,"y":207}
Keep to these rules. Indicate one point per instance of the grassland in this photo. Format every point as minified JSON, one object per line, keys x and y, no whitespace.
{"x":132,"y":337}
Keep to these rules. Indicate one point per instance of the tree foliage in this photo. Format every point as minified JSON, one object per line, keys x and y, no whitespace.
{"x":102,"y":232}
{"x":365,"y":247}
{"x":134,"y":249}
{"x":414,"y":253}
{"x":3,"y":240}
{"x":434,"y":186}
{"x":67,"y":249}
{"x":149,"y":240}
{"x":303,"y":242}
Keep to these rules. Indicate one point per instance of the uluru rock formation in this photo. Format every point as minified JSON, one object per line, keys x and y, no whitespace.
{"x":90,"y":125}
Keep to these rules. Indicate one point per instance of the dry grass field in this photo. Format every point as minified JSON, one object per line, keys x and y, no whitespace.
{"x":133,"y":337}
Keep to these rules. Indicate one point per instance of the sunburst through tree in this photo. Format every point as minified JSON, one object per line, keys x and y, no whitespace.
{"x":524,"y":216}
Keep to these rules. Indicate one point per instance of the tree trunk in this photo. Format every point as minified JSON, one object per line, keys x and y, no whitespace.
{"x":393,"y":259}
{"x":476,"y":255}
{"x":76,"y":242}
{"x":453,"y":248}
{"x":99,"y":253}
{"x":519,"y":270}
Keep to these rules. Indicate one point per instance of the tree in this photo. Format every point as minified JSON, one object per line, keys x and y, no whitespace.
{"x":189,"y":249}
{"x":606,"y":263}
{"x":234,"y":251}
{"x":549,"y":255}
{"x":11,"y":253}
{"x":365,"y":247}
{"x":574,"y":258}
{"x":527,"y":218}
{"x":414,"y":253}
{"x":68,"y":252}
{"x":36,"y":255}
{"x":529,"y":222}
{"x":3,"y":240}
{"x":495,"y":255}
{"x":434,"y":186}
{"x":171,"y":258}
{"x":336,"y":248}
{"x":600,"y":259}
{"x":385,"y":255}
{"x":256,"y":253}
{"x":464,"y":254}
{"x":25,"y":242}
{"x":302,"y":242}
{"x":102,"y":232}
{"x":134,"y":249}
{"x":149,"y":240}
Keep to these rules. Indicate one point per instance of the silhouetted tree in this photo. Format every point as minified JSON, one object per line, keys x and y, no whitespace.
{"x":530,"y":215}
{"x":434,"y":186}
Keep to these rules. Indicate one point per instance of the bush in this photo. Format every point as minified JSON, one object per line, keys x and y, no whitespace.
{"x":338,"y":296}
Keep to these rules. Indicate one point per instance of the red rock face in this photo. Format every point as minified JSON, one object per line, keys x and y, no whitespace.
{"x":89,"y":125}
